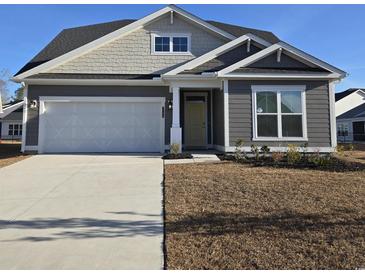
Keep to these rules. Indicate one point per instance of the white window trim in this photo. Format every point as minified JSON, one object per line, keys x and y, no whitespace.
{"x":171,"y":36}
{"x":20,"y":129}
{"x":279,"y":89}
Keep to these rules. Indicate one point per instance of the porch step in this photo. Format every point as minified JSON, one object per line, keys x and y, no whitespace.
{"x":197,"y":158}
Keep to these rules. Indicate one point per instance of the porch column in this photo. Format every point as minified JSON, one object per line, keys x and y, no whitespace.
{"x":175,"y":133}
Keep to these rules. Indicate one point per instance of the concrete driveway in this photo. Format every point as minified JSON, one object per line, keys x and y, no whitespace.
{"x":82,"y":212}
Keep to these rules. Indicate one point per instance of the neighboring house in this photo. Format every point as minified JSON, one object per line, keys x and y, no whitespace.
{"x":350,"y":115}
{"x":174,"y":78}
{"x":11,"y":121}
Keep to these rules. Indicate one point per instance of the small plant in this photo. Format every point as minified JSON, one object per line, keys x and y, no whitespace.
{"x":265,"y":151}
{"x":277,"y":156}
{"x":315,"y":157}
{"x":293,"y":154}
{"x":304,"y":149}
{"x":175,"y":149}
{"x":255,"y":151}
{"x":239,"y":154}
{"x":340,"y":150}
{"x":351,"y":147}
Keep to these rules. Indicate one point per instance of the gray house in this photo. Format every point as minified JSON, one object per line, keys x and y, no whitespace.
{"x":350,"y":115}
{"x":174,"y":78}
{"x":11,"y":121}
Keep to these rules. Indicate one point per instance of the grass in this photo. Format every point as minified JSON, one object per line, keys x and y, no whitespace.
{"x":232,"y":216}
{"x":10,"y":154}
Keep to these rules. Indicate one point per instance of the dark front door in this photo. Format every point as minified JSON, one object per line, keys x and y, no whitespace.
{"x":358,"y":131}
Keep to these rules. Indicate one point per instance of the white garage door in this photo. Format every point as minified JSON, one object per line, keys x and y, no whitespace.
{"x":131,"y":125}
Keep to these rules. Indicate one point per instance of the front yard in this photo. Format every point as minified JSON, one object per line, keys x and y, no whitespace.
{"x":232,"y":216}
{"x":10,"y":153}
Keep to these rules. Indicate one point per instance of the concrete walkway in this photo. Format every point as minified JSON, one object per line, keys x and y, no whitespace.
{"x":82,"y":212}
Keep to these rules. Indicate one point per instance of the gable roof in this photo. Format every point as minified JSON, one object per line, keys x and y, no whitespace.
{"x":239,"y":31}
{"x":71,"y":39}
{"x":10,"y":107}
{"x":357,"y":112}
{"x":340,"y":95}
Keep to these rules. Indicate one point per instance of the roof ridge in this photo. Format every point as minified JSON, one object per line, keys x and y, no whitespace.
{"x":99,"y":24}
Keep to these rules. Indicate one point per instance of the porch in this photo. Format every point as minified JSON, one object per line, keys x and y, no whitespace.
{"x":197,"y":118}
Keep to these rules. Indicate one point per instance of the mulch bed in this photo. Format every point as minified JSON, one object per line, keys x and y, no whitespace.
{"x":234,"y":216}
{"x":335,"y":163}
{"x":171,"y":156}
{"x":10,"y":154}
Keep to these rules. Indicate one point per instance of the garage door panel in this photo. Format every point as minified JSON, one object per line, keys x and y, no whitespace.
{"x":102,"y":127}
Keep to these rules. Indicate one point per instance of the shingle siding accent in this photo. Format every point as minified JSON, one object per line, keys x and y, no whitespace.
{"x":132,"y":54}
{"x":317,"y":103}
{"x":34,"y":92}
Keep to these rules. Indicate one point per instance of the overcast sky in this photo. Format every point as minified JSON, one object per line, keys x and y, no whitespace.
{"x":333,"y":33}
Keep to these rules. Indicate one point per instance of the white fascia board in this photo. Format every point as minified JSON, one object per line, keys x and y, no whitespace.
{"x":249,"y":60}
{"x":201,"y":22}
{"x":312,"y":59}
{"x":216,"y":52}
{"x":118,"y":34}
{"x":96,"y":82}
{"x":8,"y":110}
{"x":282,"y":76}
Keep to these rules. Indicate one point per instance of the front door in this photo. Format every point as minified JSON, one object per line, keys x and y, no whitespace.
{"x":195,"y":129}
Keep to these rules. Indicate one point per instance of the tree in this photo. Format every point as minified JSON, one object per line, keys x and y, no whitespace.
{"x":4,"y":85}
{"x":19,"y":94}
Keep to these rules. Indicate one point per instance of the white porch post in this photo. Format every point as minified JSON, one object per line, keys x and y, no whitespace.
{"x":175,"y":133}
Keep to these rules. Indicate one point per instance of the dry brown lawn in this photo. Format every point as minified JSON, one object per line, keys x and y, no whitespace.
{"x":10,"y":154}
{"x":232,"y":216}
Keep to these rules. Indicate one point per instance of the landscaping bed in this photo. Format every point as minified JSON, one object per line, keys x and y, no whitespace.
{"x":235,"y":216}
{"x":175,"y":156}
{"x":10,"y":154}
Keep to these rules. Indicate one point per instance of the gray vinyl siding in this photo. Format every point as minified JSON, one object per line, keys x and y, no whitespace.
{"x":317,"y":104}
{"x":218,"y":117}
{"x":34,"y":92}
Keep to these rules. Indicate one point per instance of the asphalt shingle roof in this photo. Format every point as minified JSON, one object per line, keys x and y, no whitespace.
{"x":72,"y":38}
{"x":340,"y":95}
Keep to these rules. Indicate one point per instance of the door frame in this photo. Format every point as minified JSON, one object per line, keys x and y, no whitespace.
{"x":96,"y":99}
{"x":201,"y":93}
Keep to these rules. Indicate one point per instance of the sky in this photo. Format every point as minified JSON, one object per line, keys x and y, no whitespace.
{"x":333,"y":33}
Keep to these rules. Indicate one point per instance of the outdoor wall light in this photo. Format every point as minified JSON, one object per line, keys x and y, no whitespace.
{"x":169,"y":104}
{"x":33,"y":104}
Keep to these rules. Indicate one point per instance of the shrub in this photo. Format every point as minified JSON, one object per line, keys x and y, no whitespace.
{"x":304,"y":149}
{"x":315,"y":157}
{"x":174,"y":149}
{"x":351,"y":147}
{"x":265,"y":150}
{"x":239,"y":154}
{"x":277,"y":156}
{"x":255,"y":151}
{"x":340,"y":149}
{"x":293,"y":154}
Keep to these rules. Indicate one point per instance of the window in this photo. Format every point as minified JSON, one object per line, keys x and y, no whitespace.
{"x":279,"y":112}
{"x":15,"y":129}
{"x":342,"y":129}
{"x":170,"y":44}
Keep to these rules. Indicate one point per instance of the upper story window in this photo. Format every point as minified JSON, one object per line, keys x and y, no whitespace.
{"x":175,"y":44}
{"x":279,"y":113}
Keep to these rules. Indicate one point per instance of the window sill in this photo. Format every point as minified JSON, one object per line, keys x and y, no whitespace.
{"x":172,"y":53}
{"x":292,"y":139}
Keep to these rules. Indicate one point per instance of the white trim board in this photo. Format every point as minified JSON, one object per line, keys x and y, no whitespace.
{"x":25,"y":118}
{"x":96,"y":82}
{"x":116,"y":35}
{"x":216,"y":52}
{"x":336,"y":73}
{"x":10,"y":109}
